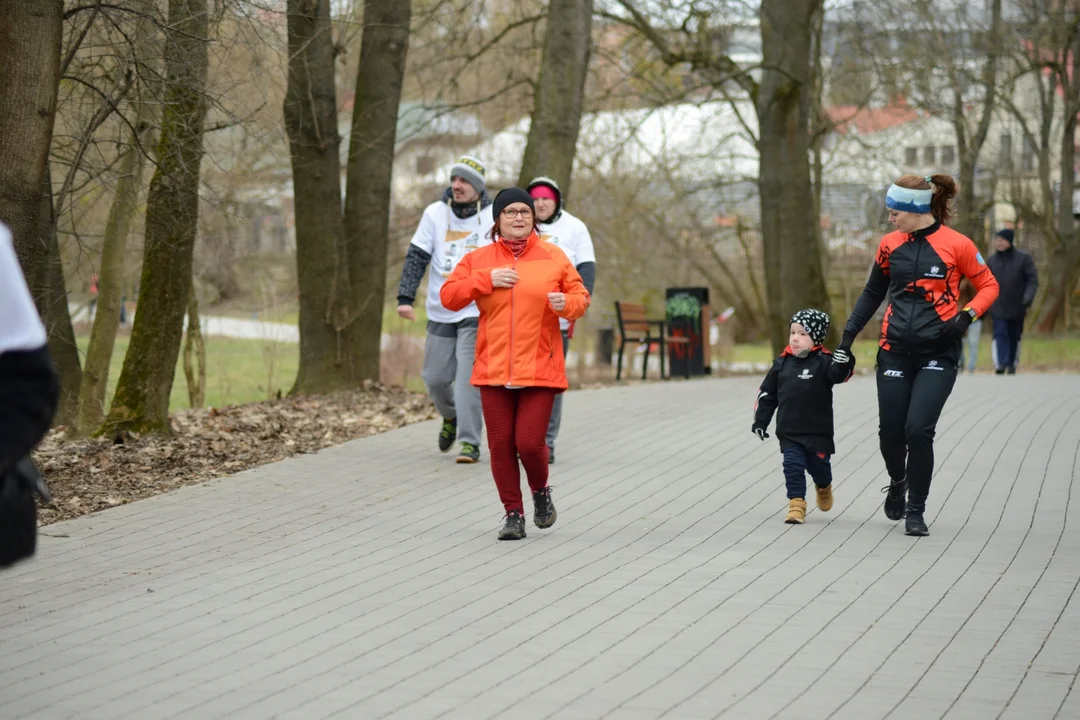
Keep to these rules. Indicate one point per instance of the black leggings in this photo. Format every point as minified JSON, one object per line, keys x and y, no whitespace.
{"x":912,"y":390}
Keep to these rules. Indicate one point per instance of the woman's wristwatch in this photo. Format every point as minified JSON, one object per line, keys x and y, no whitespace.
{"x":971,"y":311}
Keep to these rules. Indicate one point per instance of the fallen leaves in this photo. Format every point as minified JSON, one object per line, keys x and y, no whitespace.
{"x":88,"y":475}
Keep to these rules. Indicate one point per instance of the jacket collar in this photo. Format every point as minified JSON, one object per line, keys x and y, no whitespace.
{"x":788,"y":352}
{"x":529,"y":243}
{"x":926,"y":231}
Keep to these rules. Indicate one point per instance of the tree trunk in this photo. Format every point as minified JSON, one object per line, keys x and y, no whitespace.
{"x":91,"y":402}
{"x":969,"y":221}
{"x":379,"y":79}
{"x":793,"y":271}
{"x":141,"y":403}
{"x":1065,"y":257}
{"x":110,"y":289}
{"x":817,"y":134}
{"x":560,"y":93}
{"x":194,"y":354}
{"x":326,"y":313}
{"x":30,"y":36}
{"x":53,"y":306}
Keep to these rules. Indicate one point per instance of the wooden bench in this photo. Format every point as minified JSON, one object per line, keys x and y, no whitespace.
{"x":635,"y":327}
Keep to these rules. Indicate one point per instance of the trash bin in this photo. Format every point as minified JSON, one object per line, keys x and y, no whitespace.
{"x":605,"y":346}
{"x":688,"y":316}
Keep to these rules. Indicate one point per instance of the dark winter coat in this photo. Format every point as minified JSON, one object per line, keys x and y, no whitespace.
{"x":802,"y":390}
{"x":1018,"y":283}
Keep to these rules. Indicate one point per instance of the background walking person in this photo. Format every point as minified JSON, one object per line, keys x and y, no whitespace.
{"x":969,"y":350}
{"x":570,"y":234}
{"x":522,"y":287}
{"x":918,"y":268}
{"x":1015,"y":272}
{"x":449,"y":230}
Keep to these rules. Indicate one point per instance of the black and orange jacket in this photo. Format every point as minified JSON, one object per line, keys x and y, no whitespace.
{"x":920,"y":275}
{"x":801,"y":388}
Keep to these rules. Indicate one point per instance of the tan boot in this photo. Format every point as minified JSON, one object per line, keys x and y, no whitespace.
{"x":796,"y":514}
{"x":824,"y":498}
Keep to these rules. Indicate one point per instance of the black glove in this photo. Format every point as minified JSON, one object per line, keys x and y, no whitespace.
{"x":760,"y":432}
{"x":955,"y":328}
{"x":841,"y":356}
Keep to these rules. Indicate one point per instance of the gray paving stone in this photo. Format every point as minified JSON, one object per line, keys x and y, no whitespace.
{"x":366,"y":581}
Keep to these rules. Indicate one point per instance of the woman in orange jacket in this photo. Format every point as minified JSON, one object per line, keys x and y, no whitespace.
{"x":522,"y":286}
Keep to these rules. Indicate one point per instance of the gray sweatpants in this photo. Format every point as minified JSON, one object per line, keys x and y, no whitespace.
{"x":448,"y":363}
{"x":556,"y":409}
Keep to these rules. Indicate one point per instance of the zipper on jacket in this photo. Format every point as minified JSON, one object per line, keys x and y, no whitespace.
{"x":510,"y":373}
{"x":911,"y":313}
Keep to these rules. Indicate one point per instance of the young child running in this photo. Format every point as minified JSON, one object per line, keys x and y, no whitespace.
{"x":800,"y":384}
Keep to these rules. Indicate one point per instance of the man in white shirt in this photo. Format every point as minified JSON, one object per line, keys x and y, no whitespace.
{"x":450,"y":228}
{"x":28,"y":395}
{"x":560,"y":228}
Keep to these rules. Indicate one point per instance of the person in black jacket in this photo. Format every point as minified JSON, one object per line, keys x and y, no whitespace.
{"x":800,"y":384}
{"x":1018,"y":282}
{"x":28,"y":395}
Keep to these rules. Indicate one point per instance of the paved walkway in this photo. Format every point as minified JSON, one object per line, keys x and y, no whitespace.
{"x":366,"y":581}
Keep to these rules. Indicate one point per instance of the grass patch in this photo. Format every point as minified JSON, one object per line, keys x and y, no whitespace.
{"x":244,"y":371}
{"x":290,"y":315}
{"x":237,"y":371}
{"x":1046,"y":353}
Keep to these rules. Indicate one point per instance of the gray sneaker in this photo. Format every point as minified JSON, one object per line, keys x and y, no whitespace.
{"x":514,"y":529}
{"x":469,"y":454}
{"x":544,"y":514}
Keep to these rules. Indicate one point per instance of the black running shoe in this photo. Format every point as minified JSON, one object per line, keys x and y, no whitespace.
{"x":544,"y":513}
{"x":915,"y":525}
{"x":1011,"y":370}
{"x":514,"y":529}
{"x":896,"y":499}
{"x":469,"y":454}
{"x":448,"y":434}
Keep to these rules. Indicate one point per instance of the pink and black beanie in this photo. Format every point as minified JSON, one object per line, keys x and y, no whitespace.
{"x":546,"y":182}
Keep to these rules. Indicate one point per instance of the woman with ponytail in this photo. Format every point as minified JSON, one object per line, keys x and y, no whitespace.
{"x":918,"y":269}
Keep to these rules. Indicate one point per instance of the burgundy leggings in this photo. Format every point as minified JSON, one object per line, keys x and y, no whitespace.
{"x":517,"y":422}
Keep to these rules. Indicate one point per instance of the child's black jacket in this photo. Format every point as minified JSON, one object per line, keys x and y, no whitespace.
{"x":802,"y":388}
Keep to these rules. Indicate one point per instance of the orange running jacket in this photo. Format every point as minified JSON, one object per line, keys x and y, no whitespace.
{"x":519,"y":342}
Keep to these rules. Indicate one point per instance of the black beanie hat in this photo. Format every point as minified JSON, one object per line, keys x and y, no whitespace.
{"x":548,"y":182}
{"x":814,"y":322}
{"x":509,"y":196}
{"x":1007,"y":233}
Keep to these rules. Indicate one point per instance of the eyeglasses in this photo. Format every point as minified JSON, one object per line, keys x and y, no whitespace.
{"x":511,"y":213}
